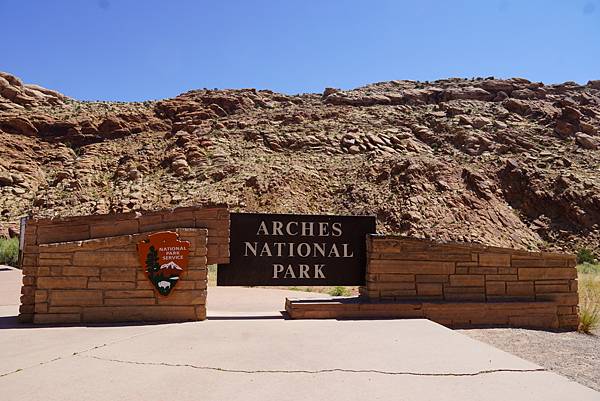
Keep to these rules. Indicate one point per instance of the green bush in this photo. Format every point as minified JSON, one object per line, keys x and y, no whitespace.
{"x":9,"y":252}
{"x":585,"y":255}
{"x":339,"y":291}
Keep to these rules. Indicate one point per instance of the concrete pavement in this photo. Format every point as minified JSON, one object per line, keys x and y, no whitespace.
{"x":236,"y":354}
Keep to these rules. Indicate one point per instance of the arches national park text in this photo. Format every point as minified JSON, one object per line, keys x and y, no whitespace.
{"x":269,"y":249}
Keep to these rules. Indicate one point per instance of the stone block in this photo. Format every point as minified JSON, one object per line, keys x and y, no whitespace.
{"x":88,"y":271}
{"x":27,"y":299}
{"x":129,"y":301}
{"x":464,"y":297}
{"x":540,"y":273}
{"x":410,"y":267}
{"x":30,"y":270}
{"x":105,"y":259}
{"x":118,"y":274}
{"x":463,"y":290}
{"x":214,"y":240}
{"x":397,"y":293}
{"x":392,"y":286}
{"x":467,"y":280}
{"x":573,"y":285}
{"x":178,"y":215}
{"x":114,"y":228}
{"x":568,"y":322}
{"x":129,"y":293}
{"x":111,"y":285}
{"x":395,"y":278}
{"x":45,"y":254}
{"x":483,"y":270}
{"x":561,"y":298}
{"x":26,"y":308}
{"x":41,"y":296}
{"x":566,"y":310}
{"x":75,"y":297}
{"x":501,"y":277}
{"x":29,"y":260}
{"x":61,"y":282}
{"x":197,"y":262}
{"x":200,"y":311}
{"x":495,"y":288}
{"x":195,"y":275}
{"x":145,"y":284}
{"x":507,"y":270}
{"x":184,"y":297}
{"x":27,"y":290}
{"x":166,"y":225}
{"x":432,"y":278}
{"x":494,"y":259}
{"x":41,"y":307}
{"x":467,"y":264}
{"x":65,"y":309}
{"x":147,"y":220}
{"x":54,"y":262}
{"x":62,"y":233}
{"x":543,"y":321}
{"x":151,"y":313}
{"x":429,"y":289}
{"x":545,"y":288}
{"x":199,"y":284}
{"x":536,"y":263}
{"x":56,"y":318}
{"x":524,"y":288}
{"x":212,"y":213}
{"x":211,"y":224}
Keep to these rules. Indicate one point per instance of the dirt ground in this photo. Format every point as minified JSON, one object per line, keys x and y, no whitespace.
{"x":574,"y":355}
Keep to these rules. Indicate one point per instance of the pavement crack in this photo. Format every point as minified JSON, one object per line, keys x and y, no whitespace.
{"x":77,"y":353}
{"x":31,"y":366}
{"x":118,"y":340}
{"x":317,"y":371}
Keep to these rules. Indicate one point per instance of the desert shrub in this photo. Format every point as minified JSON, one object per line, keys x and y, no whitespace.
{"x":339,"y":291}
{"x":588,"y":268}
{"x":585,"y":255}
{"x":589,"y":301}
{"x":589,"y":318}
{"x":212,"y":275}
{"x":9,"y":252}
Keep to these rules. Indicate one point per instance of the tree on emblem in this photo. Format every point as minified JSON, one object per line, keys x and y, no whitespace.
{"x":163,"y":258}
{"x":152,"y":264}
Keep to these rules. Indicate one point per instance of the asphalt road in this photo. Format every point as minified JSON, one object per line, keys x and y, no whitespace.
{"x":246,"y":351}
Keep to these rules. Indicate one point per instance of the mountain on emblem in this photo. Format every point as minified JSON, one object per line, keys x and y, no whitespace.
{"x":156,"y":257}
{"x":171,"y":265}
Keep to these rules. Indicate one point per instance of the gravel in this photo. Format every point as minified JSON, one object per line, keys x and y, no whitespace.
{"x":574,"y":355}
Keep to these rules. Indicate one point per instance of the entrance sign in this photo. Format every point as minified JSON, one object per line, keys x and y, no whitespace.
{"x":288,"y":249}
{"x":164,"y":258}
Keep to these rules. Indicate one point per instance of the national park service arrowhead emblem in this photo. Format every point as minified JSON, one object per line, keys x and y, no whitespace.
{"x":164,"y":259}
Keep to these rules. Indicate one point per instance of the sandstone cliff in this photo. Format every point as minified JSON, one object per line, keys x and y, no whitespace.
{"x":504,"y":162}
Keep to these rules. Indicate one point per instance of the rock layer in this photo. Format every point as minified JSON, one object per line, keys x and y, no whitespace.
{"x":503,"y":162}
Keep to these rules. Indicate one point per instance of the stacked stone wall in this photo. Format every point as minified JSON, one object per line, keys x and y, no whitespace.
{"x":482,"y":284}
{"x":55,"y":250}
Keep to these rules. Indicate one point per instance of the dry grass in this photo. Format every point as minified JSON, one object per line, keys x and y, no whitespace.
{"x":589,"y":297}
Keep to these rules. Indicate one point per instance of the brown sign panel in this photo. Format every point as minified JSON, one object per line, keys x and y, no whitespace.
{"x":164,"y":258}
{"x":288,"y":249}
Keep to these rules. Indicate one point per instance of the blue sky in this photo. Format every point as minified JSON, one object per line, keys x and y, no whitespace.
{"x":151,"y":49}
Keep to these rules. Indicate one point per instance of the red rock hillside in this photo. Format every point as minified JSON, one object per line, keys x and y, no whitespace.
{"x":503,"y":162}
